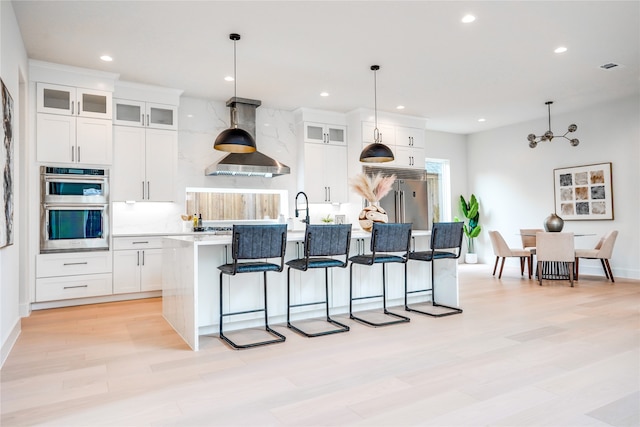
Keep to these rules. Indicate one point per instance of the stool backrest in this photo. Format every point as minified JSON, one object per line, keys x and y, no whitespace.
{"x":327,"y":240}
{"x":447,"y":235}
{"x":395,"y":237}
{"x":259,"y":241}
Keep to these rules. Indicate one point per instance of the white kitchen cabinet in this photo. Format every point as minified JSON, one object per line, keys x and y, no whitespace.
{"x":68,"y":139}
{"x":410,"y":137}
{"x":73,"y":101}
{"x":145,"y":114}
{"x":325,"y":173}
{"x":322,"y":133}
{"x":137,"y":264}
{"x":409,"y":157}
{"x":144,"y":164}
{"x":73,"y":275}
{"x":387,"y":133}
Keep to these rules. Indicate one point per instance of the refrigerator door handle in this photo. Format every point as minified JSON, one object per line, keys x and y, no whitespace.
{"x":401,"y":206}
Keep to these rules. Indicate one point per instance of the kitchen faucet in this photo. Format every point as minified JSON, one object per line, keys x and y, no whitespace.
{"x":297,"y":211}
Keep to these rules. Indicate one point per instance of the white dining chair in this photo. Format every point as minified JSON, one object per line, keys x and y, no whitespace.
{"x":556,"y":256}
{"x":602,"y":251}
{"x":502,"y":250}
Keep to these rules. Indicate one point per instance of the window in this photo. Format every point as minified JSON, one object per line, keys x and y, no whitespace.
{"x":439,"y":190}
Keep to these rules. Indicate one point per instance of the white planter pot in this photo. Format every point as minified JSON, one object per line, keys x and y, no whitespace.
{"x":471,"y":258}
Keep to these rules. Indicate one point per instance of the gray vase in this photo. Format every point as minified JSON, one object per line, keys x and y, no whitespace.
{"x":553,"y":223}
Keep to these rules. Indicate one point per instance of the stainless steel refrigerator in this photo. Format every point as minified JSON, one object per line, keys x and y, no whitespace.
{"x":407,"y":202}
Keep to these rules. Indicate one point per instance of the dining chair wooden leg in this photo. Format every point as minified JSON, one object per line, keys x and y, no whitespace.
{"x":501,"y":267}
{"x":521,"y":266}
{"x":606,"y":263}
{"x":496,"y":265}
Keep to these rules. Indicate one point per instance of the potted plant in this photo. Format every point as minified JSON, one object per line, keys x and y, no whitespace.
{"x":472,"y":229}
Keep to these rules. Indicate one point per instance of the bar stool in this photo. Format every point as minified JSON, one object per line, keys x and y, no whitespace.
{"x":252,"y":242}
{"x":321,"y":242}
{"x":384,"y":238}
{"x":446,"y":243}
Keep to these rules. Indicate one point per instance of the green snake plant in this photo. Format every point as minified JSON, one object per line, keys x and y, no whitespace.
{"x":472,"y":229}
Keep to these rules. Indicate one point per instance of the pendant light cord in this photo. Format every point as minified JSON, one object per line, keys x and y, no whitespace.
{"x":376,"y":131}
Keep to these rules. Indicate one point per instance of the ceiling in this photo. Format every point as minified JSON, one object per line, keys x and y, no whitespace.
{"x":502,"y":67}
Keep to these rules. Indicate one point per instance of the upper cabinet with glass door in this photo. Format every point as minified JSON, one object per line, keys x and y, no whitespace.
{"x":73,"y":101}
{"x":145,"y":114}
{"x":325,"y":133}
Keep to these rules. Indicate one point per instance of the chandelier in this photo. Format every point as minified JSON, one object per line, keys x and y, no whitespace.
{"x":548,"y":135}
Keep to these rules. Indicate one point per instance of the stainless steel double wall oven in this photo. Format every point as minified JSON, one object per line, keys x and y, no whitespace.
{"x":74,"y":209}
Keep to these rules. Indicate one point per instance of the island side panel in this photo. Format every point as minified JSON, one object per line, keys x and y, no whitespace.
{"x":179,"y":288}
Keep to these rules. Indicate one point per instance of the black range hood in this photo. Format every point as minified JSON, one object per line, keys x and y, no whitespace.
{"x":243,"y":115}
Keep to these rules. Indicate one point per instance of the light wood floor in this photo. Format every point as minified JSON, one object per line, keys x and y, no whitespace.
{"x":519,"y":355}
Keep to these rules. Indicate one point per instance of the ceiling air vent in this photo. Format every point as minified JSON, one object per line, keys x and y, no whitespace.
{"x":608,"y":66}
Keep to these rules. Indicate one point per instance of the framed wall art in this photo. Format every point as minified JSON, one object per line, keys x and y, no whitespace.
{"x":6,"y":164}
{"x":584,"y":192}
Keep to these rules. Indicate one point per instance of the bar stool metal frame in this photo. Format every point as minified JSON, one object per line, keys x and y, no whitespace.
{"x":444,"y":235}
{"x":384,"y":238}
{"x":321,"y":243}
{"x":252,"y":242}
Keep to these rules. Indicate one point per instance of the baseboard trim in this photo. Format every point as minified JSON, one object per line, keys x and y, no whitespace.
{"x":7,"y":346}
{"x":94,"y":300}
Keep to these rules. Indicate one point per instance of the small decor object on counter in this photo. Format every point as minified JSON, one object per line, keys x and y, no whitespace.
{"x":327,"y":219}
{"x":553,"y":223}
{"x":187,"y":223}
{"x":372,"y":188}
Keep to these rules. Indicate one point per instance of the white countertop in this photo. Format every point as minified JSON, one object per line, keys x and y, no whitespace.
{"x":203,"y":238}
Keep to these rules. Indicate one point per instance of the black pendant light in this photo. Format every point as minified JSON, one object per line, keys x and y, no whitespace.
{"x":234,"y":139}
{"x":376,"y":152}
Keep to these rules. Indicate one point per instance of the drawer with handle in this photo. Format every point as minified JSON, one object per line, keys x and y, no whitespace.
{"x":60,"y":288}
{"x":71,"y":264}
{"x":125,"y":243}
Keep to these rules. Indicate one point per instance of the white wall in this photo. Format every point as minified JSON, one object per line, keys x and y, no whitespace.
{"x":514,"y":183}
{"x":13,"y":68}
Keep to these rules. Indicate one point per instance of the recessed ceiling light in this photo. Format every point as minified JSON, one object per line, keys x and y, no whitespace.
{"x":324,"y":93}
{"x":400,"y":107}
{"x":482,"y":119}
{"x":560,"y":49}
{"x":468,"y":19}
{"x":228,"y":79}
{"x":106,"y":58}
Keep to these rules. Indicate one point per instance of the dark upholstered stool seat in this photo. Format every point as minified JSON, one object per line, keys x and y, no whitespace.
{"x":385,"y":238}
{"x":253,"y":242}
{"x":321,"y":243}
{"x":444,"y":235}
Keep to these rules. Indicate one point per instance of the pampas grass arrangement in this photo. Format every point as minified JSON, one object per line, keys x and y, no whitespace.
{"x":372,"y":188}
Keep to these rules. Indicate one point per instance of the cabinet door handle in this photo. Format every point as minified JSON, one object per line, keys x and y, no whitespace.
{"x":142,"y":119}
{"x":72,"y":112}
{"x":137,"y":258}
{"x":75,"y":263}
{"x":329,"y":190}
{"x":73,"y":287}
{"x":147,"y":120}
{"x":142,"y":190}
{"x":140,"y":242}
{"x":78,"y":107}
{"x":148,"y":191}
{"x":78,"y":153}
{"x":73,"y":151}
{"x":142,"y":258}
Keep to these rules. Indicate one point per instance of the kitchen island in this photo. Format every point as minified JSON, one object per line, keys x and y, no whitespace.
{"x":190,"y":283}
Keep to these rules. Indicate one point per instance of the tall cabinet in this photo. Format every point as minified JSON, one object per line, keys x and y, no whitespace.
{"x":323,"y":157}
{"x":145,"y":143}
{"x":73,"y":115}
